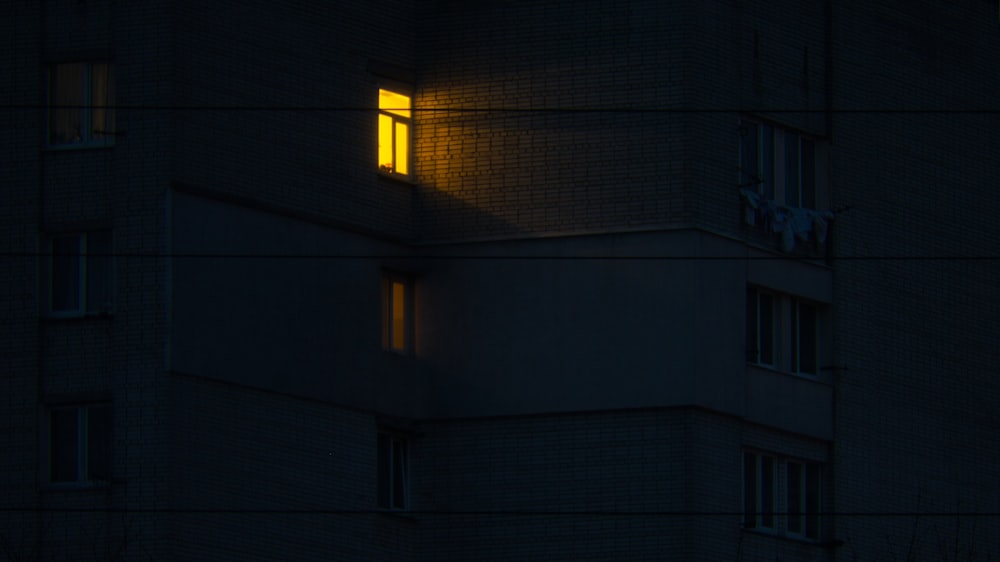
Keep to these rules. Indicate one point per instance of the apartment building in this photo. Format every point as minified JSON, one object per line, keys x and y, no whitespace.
{"x":502,"y":281}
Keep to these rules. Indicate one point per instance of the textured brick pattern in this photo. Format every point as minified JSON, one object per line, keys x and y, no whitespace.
{"x":531,"y":119}
{"x":19,"y":141}
{"x":656,"y":484}
{"x":918,"y":334}
{"x":261,"y":476}
{"x":256,"y":63}
{"x":579,"y":139}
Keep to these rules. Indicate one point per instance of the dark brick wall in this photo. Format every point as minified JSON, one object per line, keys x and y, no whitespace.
{"x":281,"y":105}
{"x":916,"y":306}
{"x":576,"y":139}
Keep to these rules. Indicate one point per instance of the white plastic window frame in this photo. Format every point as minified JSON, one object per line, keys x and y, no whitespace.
{"x":397,"y":117}
{"x":776,"y":187}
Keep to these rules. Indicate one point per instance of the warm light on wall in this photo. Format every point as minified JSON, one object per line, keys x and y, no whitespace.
{"x":393,"y":132}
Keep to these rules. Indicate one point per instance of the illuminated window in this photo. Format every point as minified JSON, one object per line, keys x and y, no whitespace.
{"x":79,"y":275}
{"x":781,"y":165}
{"x":397,"y":313}
{"x":392,"y":461}
{"x":81,"y":104}
{"x":783,"y":331}
{"x":393,"y":132}
{"x":80,"y":445}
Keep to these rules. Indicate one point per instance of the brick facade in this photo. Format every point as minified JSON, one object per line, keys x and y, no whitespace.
{"x":576,"y":382}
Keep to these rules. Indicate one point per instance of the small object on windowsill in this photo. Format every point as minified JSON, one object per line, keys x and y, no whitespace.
{"x":387,"y":168}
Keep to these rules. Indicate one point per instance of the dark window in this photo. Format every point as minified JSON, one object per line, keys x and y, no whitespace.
{"x":804,"y":338}
{"x":749,"y":490}
{"x":80,"y":274}
{"x":65,"y":448}
{"x":803,"y":496}
{"x":783,"y":331}
{"x":81,"y":103}
{"x":760,"y":326}
{"x":392,"y":471}
{"x":765,"y":150}
{"x":67,"y":281}
{"x":758,"y":490}
{"x":792,"y":166}
{"x":80,"y":444}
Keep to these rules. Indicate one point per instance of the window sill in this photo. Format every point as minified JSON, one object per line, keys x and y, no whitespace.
{"x":397,"y":514}
{"x":407,"y":179}
{"x":58,"y":318}
{"x":776,"y":370}
{"x":775,"y":534}
{"x":70,"y":147}
{"x":76,"y":487}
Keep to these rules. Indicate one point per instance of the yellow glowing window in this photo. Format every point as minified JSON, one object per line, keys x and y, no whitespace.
{"x":393,"y":132}
{"x":397,"y":314}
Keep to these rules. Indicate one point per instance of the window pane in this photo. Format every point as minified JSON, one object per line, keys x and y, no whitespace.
{"x":394,"y":103}
{"x":766,"y":328}
{"x":100,"y":273}
{"x":749,"y":490}
{"x":794,"y":497}
{"x":402,"y":155}
{"x":385,"y":160}
{"x":792,"y":198}
{"x":101,"y":99}
{"x":753,"y":353}
{"x":99,"y":443}
{"x":767,"y":161}
{"x":794,"y":335}
{"x":807,"y":331}
{"x":398,"y":473}
{"x":749,"y":156}
{"x":813,"y":493}
{"x":66,"y":274}
{"x":808,"y":174}
{"x":63,"y":445}
{"x":382,"y":462}
{"x":767,"y":492}
{"x":66,"y":83}
{"x":398,"y":334}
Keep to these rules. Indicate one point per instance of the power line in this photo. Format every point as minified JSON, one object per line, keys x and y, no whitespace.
{"x":482,"y":513}
{"x":574,"y":110}
{"x":508,"y":257}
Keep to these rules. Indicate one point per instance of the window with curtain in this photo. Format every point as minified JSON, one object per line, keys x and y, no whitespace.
{"x":81,"y":104}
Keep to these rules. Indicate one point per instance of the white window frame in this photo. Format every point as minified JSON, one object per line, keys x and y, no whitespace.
{"x":768,"y":176}
{"x":787,"y":332}
{"x":397,"y":117}
{"x":802,"y":521}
